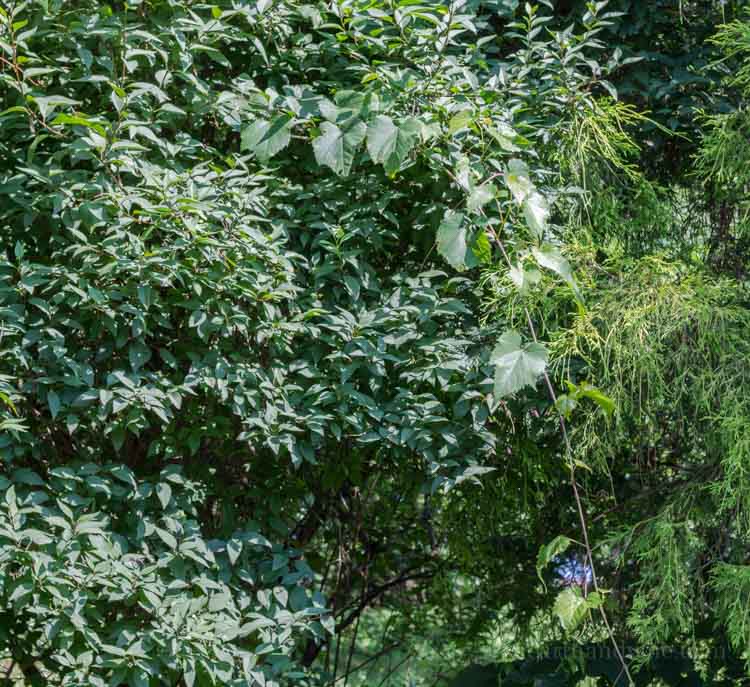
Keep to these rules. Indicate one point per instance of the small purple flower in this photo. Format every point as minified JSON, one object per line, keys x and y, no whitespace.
{"x":574,"y":572}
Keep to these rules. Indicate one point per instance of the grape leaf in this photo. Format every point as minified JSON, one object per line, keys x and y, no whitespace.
{"x":516,"y":366}
{"x":265,"y":139}
{"x":336,"y":146}
{"x":518,"y":180}
{"x":451,"y":239}
{"x":389,"y":144}
{"x":570,"y":608}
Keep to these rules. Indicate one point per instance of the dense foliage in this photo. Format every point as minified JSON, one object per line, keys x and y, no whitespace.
{"x":360,"y":341}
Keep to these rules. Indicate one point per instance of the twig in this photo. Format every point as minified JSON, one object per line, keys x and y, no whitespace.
{"x":394,"y":669}
{"x":356,"y":631}
{"x":358,"y":667}
{"x":336,"y":659}
{"x":441,"y":51}
{"x":9,"y":671}
{"x":377,"y":591}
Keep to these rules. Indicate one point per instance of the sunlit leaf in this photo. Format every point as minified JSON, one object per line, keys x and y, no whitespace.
{"x":516,"y":365}
{"x":518,"y":180}
{"x":451,"y":239}
{"x":570,"y":608}
{"x":480,"y":196}
{"x":336,"y":147}
{"x":265,"y":138}
{"x":549,"y":257}
{"x":389,"y":143}
{"x":524,"y":277}
{"x":536,"y":212}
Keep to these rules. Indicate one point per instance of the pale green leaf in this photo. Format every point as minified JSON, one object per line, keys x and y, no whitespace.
{"x":265,"y":139}
{"x":505,"y":136}
{"x":570,"y":607}
{"x":389,"y":144}
{"x":536,"y":212}
{"x":336,"y":147}
{"x":516,"y":366}
{"x":480,"y":196}
{"x":518,"y":180}
{"x":524,"y":277}
{"x":451,"y":239}
{"x":549,"y":257}
{"x":218,"y":602}
{"x":164,"y":493}
{"x":459,"y":121}
{"x":167,"y":538}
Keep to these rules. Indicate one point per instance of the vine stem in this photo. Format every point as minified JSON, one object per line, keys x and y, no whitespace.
{"x":441,"y":51}
{"x":573,"y":481}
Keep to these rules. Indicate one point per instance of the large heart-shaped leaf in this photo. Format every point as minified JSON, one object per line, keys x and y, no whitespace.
{"x":536,"y":212}
{"x":265,"y":139}
{"x":451,"y":239}
{"x":389,"y":143}
{"x":516,"y":365}
{"x":336,"y":146}
{"x":570,"y":608}
{"x":518,"y":180}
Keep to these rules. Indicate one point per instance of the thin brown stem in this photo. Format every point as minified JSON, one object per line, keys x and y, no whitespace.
{"x":573,"y":482}
{"x":394,"y":669}
{"x":367,"y":661}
